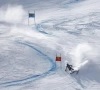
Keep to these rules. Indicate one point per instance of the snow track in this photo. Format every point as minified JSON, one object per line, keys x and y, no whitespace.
{"x":65,"y":26}
{"x":34,"y":77}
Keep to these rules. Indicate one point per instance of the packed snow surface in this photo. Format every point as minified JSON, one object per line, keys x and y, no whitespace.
{"x":70,"y":28}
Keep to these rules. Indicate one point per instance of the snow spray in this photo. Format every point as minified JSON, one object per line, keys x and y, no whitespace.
{"x":80,"y":54}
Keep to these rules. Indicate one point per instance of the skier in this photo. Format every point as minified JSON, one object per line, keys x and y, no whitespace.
{"x":69,"y":67}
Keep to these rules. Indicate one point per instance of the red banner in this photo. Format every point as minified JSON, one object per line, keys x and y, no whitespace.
{"x":58,"y":58}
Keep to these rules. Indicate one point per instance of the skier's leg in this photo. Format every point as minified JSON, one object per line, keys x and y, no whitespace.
{"x":71,"y":70}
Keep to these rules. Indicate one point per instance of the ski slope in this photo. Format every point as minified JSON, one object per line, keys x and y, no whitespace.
{"x":27,"y":55}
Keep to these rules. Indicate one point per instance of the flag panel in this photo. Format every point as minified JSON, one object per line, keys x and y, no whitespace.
{"x":58,"y":58}
{"x":31,"y":15}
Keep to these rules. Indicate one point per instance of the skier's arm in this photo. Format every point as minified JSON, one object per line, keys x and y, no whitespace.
{"x":66,"y":68}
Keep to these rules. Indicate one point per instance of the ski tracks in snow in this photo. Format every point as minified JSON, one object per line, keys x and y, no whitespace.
{"x":34,"y":77}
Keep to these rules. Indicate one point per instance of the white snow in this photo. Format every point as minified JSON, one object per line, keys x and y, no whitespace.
{"x":27,"y":55}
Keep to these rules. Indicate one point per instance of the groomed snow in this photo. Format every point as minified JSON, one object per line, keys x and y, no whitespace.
{"x":27,"y":54}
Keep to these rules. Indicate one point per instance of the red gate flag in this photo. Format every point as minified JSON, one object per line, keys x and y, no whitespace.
{"x":58,"y":58}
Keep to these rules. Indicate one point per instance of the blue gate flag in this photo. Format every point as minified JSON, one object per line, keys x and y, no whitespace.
{"x":31,"y":15}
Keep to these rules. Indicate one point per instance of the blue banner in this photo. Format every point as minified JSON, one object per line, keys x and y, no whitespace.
{"x":31,"y":15}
